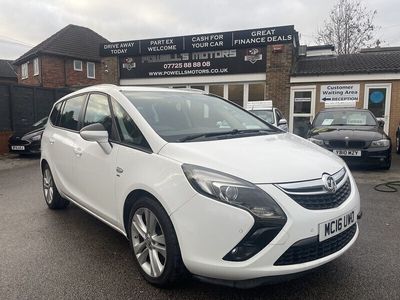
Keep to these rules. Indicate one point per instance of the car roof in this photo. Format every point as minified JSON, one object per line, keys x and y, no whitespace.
{"x":106,"y":88}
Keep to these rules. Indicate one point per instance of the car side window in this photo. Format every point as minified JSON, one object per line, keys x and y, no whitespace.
{"x":128,"y":131}
{"x":55,"y":113}
{"x":98,"y":111}
{"x":70,"y":115}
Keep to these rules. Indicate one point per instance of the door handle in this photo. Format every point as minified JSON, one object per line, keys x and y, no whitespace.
{"x":51,"y":141}
{"x":78,"y":151}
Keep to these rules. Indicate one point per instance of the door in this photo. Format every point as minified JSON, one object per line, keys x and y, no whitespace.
{"x":302,"y":109}
{"x":94,"y":170}
{"x":61,"y":144}
{"x":377,"y":100}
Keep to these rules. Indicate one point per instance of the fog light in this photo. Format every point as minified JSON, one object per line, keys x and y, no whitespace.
{"x":257,"y":239}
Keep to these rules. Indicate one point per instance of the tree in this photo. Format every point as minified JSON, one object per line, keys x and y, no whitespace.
{"x":349,"y":27}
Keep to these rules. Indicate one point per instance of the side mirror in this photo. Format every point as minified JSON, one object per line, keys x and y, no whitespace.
{"x":96,"y":133}
{"x":282,"y":122}
{"x":381,"y":123}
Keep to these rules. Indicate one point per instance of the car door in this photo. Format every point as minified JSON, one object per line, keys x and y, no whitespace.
{"x":61,"y":142}
{"x":95,"y":170}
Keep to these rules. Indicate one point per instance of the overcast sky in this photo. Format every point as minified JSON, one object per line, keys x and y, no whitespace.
{"x":25,"y":23}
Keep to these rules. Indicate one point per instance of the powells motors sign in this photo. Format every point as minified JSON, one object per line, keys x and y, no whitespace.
{"x":202,"y":42}
{"x":204,"y":54}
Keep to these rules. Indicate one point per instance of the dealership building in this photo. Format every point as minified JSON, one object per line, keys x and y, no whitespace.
{"x":242,"y":66}
{"x":264,"y":64}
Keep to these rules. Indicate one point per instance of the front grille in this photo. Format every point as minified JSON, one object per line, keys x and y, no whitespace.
{"x":347,"y":144}
{"x":311,"y":249}
{"x":314,"y":194}
{"x":324,"y":201}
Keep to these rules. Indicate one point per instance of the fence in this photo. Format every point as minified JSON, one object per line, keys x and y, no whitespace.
{"x":21,"y":106}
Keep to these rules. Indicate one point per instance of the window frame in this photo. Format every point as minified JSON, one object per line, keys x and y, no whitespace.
{"x":113,"y":128}
{"x":25,"y":67}
{"x":388,"y":87}
{"x":292,"y":114}
{"x":36,"y":69}
{"x":58,"y":125}
{"x":87,"y":70}
{"x":77,"y":69}
{"x":120,"y":142}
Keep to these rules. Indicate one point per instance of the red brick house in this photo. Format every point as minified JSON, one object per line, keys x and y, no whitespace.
{"x":69,"y":58}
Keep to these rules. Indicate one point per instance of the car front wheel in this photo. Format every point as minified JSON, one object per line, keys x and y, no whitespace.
{"x":398,"y":143}
{"x":154,"y":243}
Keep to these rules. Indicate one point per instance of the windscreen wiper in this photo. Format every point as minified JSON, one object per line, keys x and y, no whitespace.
{"x":222,"y":133}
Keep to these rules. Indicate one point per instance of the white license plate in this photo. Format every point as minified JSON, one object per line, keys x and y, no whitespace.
{"x":17,"y":147}
{"x":347,"y":152}
{"x":335,"y":226}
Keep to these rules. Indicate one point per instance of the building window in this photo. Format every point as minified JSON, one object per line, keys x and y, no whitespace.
{"x":235,"y":93}
{"x":217,"y":89}
{"x":24,"y":70}
{"x":198,"y":87}
{"x":256,"y":91}
{"x":77,"y":65}
{"x":302,"y":102}
{"x":91,"y":70}
{"x":36,"y":66}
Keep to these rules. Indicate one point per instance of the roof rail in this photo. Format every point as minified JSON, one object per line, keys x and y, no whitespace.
{"x":190,"y":90}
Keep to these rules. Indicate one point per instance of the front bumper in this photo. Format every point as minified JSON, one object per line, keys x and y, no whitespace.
{"x":29,"y":147}
{"x":370,"y":157}
{"x":207,"y":230}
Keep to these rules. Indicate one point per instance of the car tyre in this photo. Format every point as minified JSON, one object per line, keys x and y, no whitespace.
{"x":51,"y":195}
{"x":398,"y":142}
{"x":154,"y":244}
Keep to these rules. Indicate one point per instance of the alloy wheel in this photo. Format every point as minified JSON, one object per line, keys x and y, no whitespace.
{"x":148,"y":242}
{"x":48,"y":186}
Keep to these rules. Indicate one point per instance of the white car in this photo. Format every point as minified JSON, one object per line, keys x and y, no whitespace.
{"x":198,"y":184}
{"x":265,"y":111}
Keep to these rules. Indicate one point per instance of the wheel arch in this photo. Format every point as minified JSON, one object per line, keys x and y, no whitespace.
{"x":43,"y":163}
{"x":130,"y":200}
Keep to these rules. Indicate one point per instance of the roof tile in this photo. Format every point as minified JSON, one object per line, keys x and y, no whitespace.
{"x":71,"y":41}
{"x":366,"y":62}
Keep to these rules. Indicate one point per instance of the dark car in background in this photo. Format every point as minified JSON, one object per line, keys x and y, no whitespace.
{"x":28,"y":142}
{"x":353,"y":134}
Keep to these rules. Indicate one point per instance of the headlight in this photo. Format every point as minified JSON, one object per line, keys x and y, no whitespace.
{"x":316,"y":141}
{"x":36,"y":137}
{"x":380,"y":143}
{"x":232,"y":190}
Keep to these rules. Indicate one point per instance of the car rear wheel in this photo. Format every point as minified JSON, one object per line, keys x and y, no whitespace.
{"x":398,"y":143}
{"x":51,"y":195}
{"x":154,"y":243}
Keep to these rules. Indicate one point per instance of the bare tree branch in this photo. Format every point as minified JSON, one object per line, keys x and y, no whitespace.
{"x":349,"y":27}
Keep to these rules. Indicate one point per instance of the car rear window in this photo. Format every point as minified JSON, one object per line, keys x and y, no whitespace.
{"x":55,"y":113}
{"x":71,"y":112}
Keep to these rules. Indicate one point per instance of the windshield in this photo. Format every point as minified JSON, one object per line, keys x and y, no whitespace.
{"x":178,"y":116}
{"x":266,"y":115}
{"x":345,"y":118}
